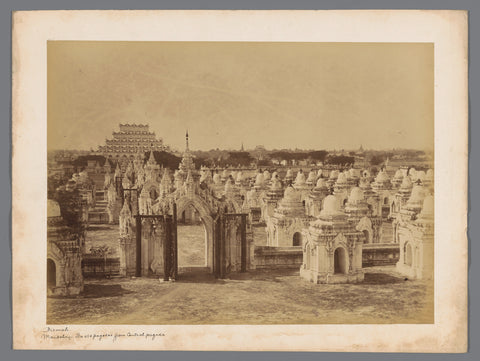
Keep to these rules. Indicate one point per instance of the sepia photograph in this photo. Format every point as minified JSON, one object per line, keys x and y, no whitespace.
{"x":197,"y":192}
{"x":239,"y":183}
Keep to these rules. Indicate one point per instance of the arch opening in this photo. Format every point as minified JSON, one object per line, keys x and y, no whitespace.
{"x":367,"y":236}
{"x":297,"y":239}
{"x":340,"y":261}
{"x":190,"y":216}
{"x":195,"y":241}
{"x":153,"y":194}
{"x":408,"y":254}
{"x":192,"y":239}
{"x":51,"y":274}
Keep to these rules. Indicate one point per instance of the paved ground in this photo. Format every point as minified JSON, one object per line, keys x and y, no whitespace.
{"x":191,"y":245}
{"x":260,"y":297}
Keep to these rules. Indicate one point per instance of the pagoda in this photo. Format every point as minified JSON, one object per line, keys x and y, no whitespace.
{"x":187,"y":163}
{"x":130,"y":140}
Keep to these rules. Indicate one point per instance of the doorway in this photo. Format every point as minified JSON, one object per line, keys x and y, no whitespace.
{"x":297,"y":239}
{"x":408,"y":254}
{"x":367,"y":236}
{"x":192,"y":241}
{"x":340,"y":261}
{"x":51,"y":274}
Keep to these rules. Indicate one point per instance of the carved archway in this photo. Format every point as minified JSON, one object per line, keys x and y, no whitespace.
{"x":151,"y":186}
{"x":56,"y":255}
{"x":365,"y":226}
{"x":233,"y":205}
{"x":205,"y":213}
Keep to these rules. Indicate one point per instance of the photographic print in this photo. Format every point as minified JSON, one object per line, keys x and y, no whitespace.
{"x":244,"y":183}
{"x":237,"y":184}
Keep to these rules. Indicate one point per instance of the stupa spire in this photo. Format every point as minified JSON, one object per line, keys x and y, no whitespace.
{"x":187,"y":161}
{"x":151,"y":159}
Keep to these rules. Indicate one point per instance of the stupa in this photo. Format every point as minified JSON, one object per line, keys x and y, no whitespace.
{"x":332,"y":247}
{"x":285,"y":226}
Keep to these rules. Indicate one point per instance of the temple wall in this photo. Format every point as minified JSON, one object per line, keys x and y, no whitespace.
{"x":64,"y":262}
{"x":100,"y":267}
{"x":278,"y":257}
{"x":416,"y":254}
{"x":380,"y":254}
{"x":69,"y":278}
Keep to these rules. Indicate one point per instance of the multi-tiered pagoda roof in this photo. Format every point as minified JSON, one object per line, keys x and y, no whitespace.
{"x":130,"y":140}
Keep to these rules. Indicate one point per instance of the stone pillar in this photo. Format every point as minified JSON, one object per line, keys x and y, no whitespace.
{"x":127,"y":256}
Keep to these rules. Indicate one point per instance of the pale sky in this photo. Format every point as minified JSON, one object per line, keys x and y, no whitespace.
{"x":280,"y":95}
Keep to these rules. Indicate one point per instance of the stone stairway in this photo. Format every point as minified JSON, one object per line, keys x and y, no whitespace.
{"x":99,"y":213}
{"x":98,"y":179}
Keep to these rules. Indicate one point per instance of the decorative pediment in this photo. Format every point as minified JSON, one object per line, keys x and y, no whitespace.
{"x":364,"y":224}
{"x":55,"y":253}
{"x":340,"y":240}
{"x":297,"y":225}
{"x":151,"y":184}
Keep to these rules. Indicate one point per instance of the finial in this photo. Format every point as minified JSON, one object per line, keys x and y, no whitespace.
{"x":151,"y":159}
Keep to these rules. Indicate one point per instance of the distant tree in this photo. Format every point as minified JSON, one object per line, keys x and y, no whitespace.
{"x":282,"y":155}
{"x":54,"y":182}
{"x":82,"y":160}
{"x":259,"y":152}
{"x":166,"y":159}
{"x":239,"y":158}
{"x":340,"y":160}
{"x":318,"y":155}
{"x":202,"y":161}
{"x":71,"y":208}
{"x":299,"y":155}
{"x":264,"y":162}
{"x":377,"y":160}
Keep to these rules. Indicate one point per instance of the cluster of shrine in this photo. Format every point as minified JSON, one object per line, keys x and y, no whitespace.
{"x":328,"y":215}
{"x":331,"y":215}
{"x":66,"y":235}
{"x":145,"y":196}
